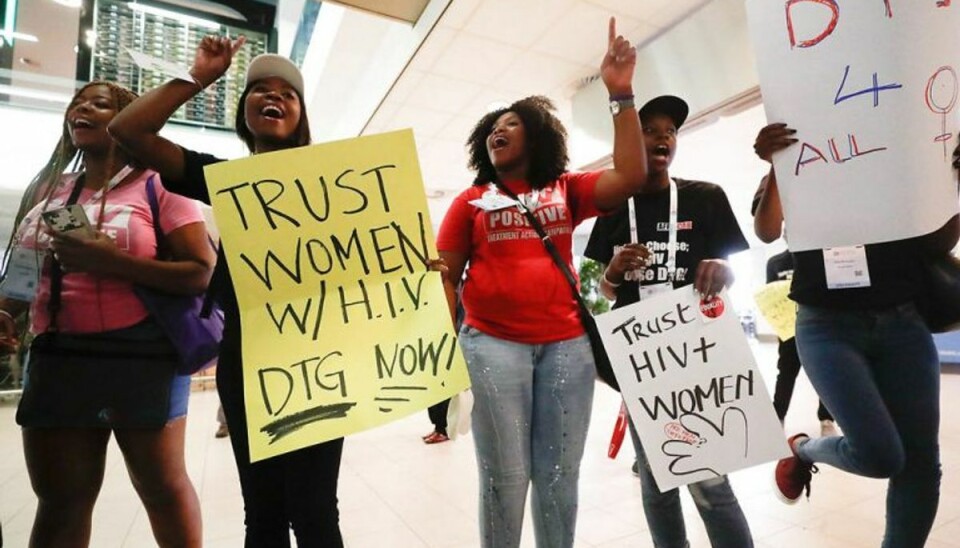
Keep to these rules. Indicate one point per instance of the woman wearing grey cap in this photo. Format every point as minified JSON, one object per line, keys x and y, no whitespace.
{"x":297,"y":489}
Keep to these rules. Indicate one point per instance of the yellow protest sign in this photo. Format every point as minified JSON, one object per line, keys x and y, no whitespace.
{"x":777,"y":308}
{"x":344,"y":328}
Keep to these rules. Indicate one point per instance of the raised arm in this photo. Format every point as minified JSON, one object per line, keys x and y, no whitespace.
{"x":768,"y":218}
{"x":629,"y":173}
{"x":136,"y":128}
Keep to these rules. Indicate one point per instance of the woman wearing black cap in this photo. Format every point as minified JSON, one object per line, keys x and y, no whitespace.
{"x":297,"y":489}
{"x":697,"y":217}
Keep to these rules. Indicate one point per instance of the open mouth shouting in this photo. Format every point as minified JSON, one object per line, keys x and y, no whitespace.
{"x":81,"y":123}
{"x":272,"y":112}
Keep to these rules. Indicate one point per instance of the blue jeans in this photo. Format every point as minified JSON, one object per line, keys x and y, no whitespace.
{"x":724,"y":520}
{"x":530,"y":418}
{"x":879,"y":373}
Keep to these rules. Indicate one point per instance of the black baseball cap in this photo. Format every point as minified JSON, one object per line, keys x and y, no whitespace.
{"x":674,"y":107}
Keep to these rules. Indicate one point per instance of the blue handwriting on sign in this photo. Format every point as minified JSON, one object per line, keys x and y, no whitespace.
{"x":875,"y":90}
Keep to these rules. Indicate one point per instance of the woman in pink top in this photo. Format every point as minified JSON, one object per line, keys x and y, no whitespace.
{"x":529,"y":359}
{"x":83,"y":282}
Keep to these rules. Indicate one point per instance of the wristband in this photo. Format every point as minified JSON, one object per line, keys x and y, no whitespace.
{"x":621,"y":97}
{"x":611,"y":284}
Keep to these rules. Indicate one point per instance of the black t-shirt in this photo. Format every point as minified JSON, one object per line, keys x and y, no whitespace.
{"x":707,"y":229}
{"x":194,"y":185}
{"x":780,"y":267}
{"x":896,"y":273}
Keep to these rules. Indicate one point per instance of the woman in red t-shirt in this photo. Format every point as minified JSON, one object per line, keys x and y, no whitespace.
{"x":529,"y":359}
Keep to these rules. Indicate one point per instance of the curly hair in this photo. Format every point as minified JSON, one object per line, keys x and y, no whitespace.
{"x":546,"y":142}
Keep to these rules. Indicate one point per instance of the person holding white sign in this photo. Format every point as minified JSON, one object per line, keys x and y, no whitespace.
{"x":871,"y":358}
{"x":296,"y":489}
{"x":768,"y":226}
{"x":677,"y":233}
{"x":529,"y":358}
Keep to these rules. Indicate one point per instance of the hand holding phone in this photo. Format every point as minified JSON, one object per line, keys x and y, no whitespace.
{"x":72,"y":219}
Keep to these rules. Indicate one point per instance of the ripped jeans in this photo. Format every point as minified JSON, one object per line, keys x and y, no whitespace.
{"x":722,"y":517}
{"x":530,"y":418}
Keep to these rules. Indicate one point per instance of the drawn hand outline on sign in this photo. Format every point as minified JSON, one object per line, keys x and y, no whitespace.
{"x":691,"y":453}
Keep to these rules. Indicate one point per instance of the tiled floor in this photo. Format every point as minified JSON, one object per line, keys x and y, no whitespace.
{"x":397,"y":492}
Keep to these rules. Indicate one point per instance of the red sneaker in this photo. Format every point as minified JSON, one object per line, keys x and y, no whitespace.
{"x":435,"y":437}
{"x":792,"y":475}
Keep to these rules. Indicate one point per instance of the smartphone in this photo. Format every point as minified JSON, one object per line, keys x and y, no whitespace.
{"x":72,"y":219}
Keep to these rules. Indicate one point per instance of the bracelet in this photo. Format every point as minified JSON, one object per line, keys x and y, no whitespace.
{"x":7,"y":314}
{"x":607,"y":280}
{"x":621,"y":97}
{"x":200,"y":86}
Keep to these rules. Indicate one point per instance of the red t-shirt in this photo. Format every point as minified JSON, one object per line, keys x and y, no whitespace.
{"x":513,"y":290}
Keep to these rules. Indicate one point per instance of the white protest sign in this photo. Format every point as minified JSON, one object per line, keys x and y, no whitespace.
{"x":871,"y":88}
{"x":147,"y":62}
{"x":692,"y":387}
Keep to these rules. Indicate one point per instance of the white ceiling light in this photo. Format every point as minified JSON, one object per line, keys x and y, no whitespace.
{"x":8,"y":36}
{"x":174,"y":15}
{"x":70,"y":3}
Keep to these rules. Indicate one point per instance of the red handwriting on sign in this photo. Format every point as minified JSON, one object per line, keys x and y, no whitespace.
{"x":834,"y":8}
{"x":943,"y":3}
{"x":810,"y":154}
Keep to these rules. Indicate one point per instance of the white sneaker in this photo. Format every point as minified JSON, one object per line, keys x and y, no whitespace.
{"x":828,"y":428}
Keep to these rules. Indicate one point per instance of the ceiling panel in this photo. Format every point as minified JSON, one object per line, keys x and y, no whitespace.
{"x":458,"y":12}
{"x":475,"y":59}
{"x":580,"y":35}
{"x":517,"y":23}
{"x":431,"y":49}
{"x":536,"y":73}
{"x":638,"y":9}
{"x":443,"y":93}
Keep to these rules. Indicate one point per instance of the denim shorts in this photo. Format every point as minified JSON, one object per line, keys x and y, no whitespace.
{"x":74,"y":400}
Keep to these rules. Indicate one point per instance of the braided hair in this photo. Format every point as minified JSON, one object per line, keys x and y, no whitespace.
{"x":546,"y":142}
{"x":64,"y":155}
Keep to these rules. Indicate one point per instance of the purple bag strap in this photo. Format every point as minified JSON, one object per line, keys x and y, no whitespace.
{"x":155,"y":212}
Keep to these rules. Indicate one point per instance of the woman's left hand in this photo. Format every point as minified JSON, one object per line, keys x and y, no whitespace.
{"x":712,"y":276}
{"x":619,"y":62}
{"x":93,"y":254}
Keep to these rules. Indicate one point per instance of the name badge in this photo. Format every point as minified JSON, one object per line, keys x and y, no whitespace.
{"x":23,"y":275}
{"x":647,"y":291}
{"x":493,"y":201}
{"x":846,"y":267}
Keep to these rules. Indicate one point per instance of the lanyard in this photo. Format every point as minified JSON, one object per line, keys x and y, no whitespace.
{"x":120,"y":176}
{"x":671,"y":238}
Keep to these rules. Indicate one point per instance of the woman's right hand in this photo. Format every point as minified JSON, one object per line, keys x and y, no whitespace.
{"x":213,"y":58}
{"x":630,"y":257}
{"x":773,"y":138}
